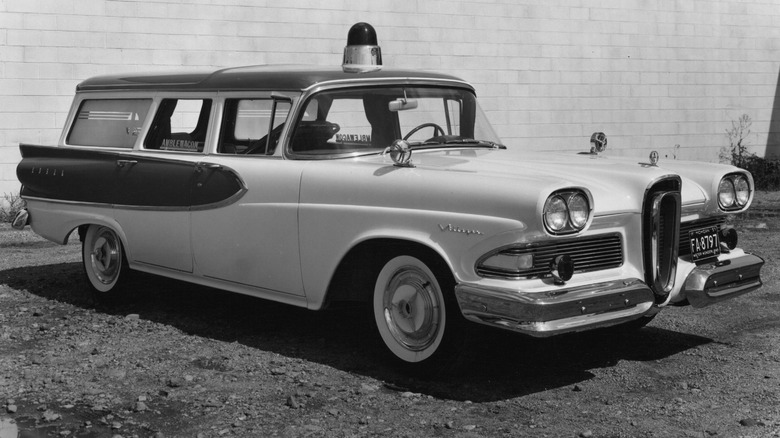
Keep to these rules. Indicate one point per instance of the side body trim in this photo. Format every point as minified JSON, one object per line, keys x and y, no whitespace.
{"x":122,"y":179}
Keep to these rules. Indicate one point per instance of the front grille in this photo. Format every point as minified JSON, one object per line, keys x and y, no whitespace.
{"x":588,"y":253}
{"x":660,"y":235}
{"x":686,"y":227}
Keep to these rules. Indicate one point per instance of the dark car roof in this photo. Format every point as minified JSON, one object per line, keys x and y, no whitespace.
{"x":279,"y":78}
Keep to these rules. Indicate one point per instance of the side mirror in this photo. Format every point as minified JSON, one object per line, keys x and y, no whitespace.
{"x":402,"y":105}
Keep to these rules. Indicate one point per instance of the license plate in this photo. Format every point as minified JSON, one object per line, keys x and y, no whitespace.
{"x":705,"y":243}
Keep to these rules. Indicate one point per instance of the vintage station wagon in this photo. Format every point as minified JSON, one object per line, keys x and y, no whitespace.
{"x":314,"y":185}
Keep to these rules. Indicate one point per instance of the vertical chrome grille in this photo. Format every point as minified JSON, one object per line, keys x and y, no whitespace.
{"x":661,"y":235}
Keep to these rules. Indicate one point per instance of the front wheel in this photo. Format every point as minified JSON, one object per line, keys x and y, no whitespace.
{"x":103,"y":258}
{"x":415,"y":311}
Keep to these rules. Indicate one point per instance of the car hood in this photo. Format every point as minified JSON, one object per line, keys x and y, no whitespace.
{"x":502,"y":183}
{"x":616,"y":184}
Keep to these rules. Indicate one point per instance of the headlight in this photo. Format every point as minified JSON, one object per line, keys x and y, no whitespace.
{"x":556,"y":214}
{"x":734,"y":192}
{"x":742,"y":188}
{"x":578,"y":210}
{"x":566,"y":211}
{"x":726,"y":194}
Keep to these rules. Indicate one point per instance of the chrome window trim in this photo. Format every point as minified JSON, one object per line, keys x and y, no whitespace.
{"x":297,"y":107}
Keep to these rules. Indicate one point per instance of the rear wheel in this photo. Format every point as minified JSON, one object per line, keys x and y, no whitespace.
{"x":103,"y":258}
{"x":415,"y":311}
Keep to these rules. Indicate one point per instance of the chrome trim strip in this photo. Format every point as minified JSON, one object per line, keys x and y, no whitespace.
{"x":557,"y":311}
{"x":567,"y":325}
{"x":711,"y":283}
{"x":232,"y":199}
{"x":665,"y":264}
{"x":286,"y":137}
{"x":225,"y":202}
{"x":362,"y":82}
{"x":652,"y":213}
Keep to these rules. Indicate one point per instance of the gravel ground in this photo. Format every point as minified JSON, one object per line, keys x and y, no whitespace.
{"x":172,"y":359}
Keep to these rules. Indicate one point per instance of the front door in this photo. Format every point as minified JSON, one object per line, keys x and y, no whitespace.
{"x":253,"y":241}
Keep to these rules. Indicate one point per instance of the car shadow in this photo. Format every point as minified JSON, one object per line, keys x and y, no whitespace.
{"x":496,"y":365}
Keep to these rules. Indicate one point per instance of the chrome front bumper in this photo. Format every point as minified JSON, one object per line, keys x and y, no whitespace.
{"x":710,"y":283}
{"x":564,"y":310}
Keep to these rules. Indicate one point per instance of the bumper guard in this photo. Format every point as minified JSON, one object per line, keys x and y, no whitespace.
{"x":714,"y":282}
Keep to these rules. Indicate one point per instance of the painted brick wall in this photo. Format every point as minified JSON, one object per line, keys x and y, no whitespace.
{"x":652,"y":74}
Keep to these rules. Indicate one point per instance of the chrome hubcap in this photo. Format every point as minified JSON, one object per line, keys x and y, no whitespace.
{"x":105,"y":257}
{"x":411,"y":308}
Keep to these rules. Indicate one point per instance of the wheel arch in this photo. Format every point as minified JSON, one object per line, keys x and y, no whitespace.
{"x":82,"y":227}
{"x":353,"y":279}
{"x":56,"y":222}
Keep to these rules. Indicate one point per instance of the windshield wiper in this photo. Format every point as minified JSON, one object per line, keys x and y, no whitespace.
{"x":460,"y":141}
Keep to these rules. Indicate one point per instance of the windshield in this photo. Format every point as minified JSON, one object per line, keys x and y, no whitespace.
{"x":368,"y":120}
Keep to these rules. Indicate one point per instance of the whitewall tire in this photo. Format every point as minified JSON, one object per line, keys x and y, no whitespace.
{"x":410,"y":310}
{"x":103,"y":258}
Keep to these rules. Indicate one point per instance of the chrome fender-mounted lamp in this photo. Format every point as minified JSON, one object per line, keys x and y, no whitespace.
{"x":598,"y":144}
{"x":400,"y":153}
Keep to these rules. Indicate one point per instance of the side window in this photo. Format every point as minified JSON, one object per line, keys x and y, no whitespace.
{"x":249,"y":126}
{"x":350,"y":117}
{"x":344,"y":128}
{"x":109,"y":122}
{"x":180,"y":125}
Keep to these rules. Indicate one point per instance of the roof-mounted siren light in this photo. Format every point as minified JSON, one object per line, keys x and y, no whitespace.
{"x":362,"y":54}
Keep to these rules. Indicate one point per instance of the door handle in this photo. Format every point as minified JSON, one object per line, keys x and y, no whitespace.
{"x":213,"y":166}
{"x":123,"y":163}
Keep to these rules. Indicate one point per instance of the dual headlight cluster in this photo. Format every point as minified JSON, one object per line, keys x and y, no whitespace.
{"x":566,"y":211}
{"x":733,"y":192}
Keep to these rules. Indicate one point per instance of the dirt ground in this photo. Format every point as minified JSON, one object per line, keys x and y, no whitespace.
{"x":171,"y":359}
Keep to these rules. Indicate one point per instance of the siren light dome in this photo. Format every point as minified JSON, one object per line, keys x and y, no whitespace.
{"x":362,"y":54}
{"x":361,"y":34}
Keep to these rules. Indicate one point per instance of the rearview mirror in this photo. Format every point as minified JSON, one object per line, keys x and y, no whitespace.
{"x":402,"y":105}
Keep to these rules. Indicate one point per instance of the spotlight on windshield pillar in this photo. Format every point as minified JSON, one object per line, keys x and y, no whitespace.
{"x":362,"y":54}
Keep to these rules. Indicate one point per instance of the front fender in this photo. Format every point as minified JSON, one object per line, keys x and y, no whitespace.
{"x":328,"y":233}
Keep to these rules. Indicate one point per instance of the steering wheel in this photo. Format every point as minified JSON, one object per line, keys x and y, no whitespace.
{"x":436,"y":128}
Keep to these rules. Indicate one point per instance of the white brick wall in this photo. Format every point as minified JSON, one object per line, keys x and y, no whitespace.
{"x":650,"y":73}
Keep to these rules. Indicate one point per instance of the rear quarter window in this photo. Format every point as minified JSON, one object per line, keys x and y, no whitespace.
{"x":180,"y":125}
{"x":109,"y":122}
